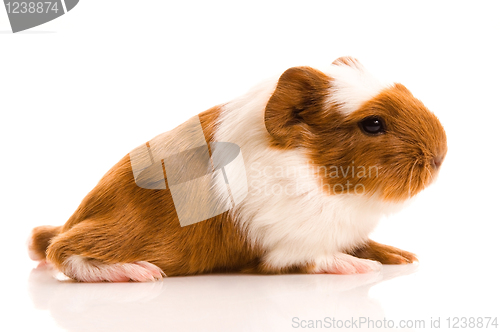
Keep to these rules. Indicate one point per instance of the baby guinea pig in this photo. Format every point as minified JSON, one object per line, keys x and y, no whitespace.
{"x":321,"y":156}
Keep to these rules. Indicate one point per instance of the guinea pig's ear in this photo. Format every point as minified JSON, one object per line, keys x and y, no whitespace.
{"x":348,"y":61}
{"x":299,"y":96}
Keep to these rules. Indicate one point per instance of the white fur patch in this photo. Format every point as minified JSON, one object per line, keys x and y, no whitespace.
{"x":351,"y":87}
{"x":298,"y":223}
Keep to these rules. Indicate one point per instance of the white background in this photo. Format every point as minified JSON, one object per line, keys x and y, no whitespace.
{"x":78,"y":93}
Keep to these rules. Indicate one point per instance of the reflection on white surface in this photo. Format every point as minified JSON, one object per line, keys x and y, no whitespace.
{"x":208,"y":302}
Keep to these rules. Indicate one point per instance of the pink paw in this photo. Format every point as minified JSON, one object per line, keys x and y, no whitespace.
{"x":344,"y":264}
{"x":88,"y":270}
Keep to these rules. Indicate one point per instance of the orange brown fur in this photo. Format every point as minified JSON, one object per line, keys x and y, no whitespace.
{"x":384,"y":254}
{"x":119,"y":222}
{"x":296,"y":116}
{"x":294,"y":105}
{"x":349,"y":61}
{"x":397,"y":159}
{"x":40,"y":240}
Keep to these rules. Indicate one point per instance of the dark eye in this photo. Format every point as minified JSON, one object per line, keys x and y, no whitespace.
{"x":372,"y":125}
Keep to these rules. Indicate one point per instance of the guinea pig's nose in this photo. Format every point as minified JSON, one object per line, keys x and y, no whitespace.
{"x":437,"y":161}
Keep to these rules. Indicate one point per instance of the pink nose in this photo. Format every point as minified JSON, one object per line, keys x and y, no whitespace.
{"x":436,"y":162}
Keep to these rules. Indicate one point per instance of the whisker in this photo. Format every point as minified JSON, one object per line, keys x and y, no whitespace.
{"x":427,"y":168}
{"x":411,"y":176}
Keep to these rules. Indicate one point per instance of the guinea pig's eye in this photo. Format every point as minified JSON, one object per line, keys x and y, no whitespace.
{"x":372,"y":125}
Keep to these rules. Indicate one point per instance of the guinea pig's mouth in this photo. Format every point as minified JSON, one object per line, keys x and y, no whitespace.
{"x":405,"y":182}
{"x":423,"y":173}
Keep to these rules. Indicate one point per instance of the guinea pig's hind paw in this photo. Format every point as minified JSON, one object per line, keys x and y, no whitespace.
{"x":149,"y":272}
{"x":344,"y":264}
{"x":83,"y":269}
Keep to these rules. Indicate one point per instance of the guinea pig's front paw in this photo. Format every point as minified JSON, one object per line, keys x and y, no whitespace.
{"x":385,"y":254}
{"x":343,"y":264}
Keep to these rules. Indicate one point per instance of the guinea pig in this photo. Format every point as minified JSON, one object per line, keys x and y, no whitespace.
{"x":321,"y":156}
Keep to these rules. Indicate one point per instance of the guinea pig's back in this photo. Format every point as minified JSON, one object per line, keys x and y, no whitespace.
{"x":119,"y":222}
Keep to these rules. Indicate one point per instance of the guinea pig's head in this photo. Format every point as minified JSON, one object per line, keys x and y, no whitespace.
{"x":362,"y":137}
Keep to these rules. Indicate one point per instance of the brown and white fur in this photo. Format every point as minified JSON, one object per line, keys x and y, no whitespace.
{"x":305,"y":121}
